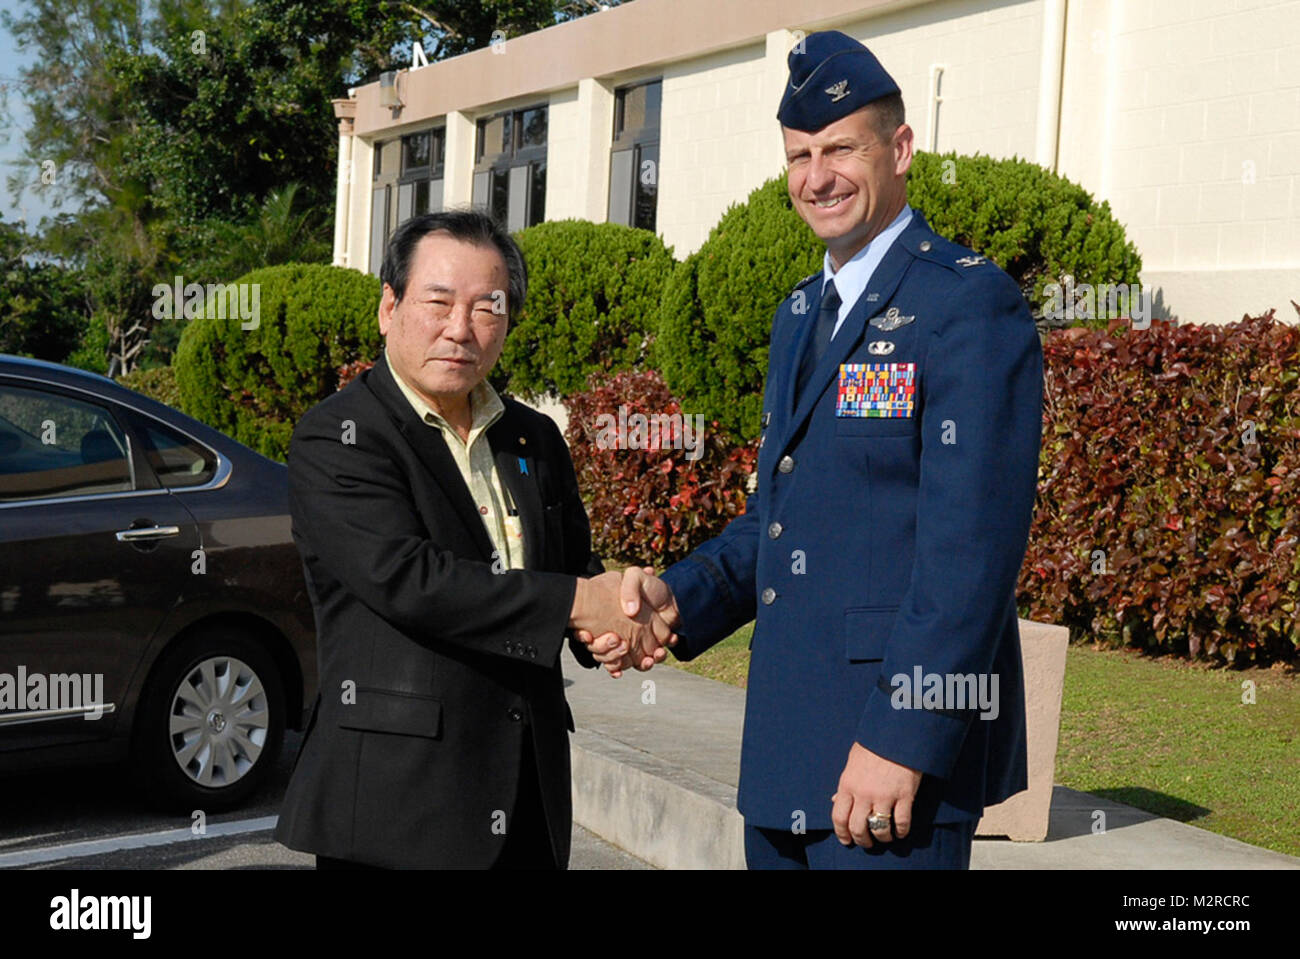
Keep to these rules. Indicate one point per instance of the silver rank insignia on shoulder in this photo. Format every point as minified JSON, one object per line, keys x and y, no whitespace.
{"x":891,"y":320}
{"x":880,"y":347}
{"x":971,"y":261}
{"x":838,"y":91}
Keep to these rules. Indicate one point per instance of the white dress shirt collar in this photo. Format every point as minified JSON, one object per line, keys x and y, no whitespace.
{"x":852,"y":278}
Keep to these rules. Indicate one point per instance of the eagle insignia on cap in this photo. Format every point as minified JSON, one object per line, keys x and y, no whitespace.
{"x":838,"y":91}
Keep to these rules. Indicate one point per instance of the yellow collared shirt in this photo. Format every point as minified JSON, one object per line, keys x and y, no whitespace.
{"x":477,"y":467}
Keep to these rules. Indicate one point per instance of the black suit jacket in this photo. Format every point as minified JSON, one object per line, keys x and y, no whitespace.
{"x":433,"y":667}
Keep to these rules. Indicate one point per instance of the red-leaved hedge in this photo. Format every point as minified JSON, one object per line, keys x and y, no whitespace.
{"x":1169,"y":489}
{"x":651,"y":505}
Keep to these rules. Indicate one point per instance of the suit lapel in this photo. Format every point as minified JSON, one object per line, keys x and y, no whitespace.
{"x":877,"y":295}
{"x":518,"y":473}
{"x":432,"y":451}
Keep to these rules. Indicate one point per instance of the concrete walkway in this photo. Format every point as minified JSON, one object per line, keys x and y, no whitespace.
{"x":656,"y":760}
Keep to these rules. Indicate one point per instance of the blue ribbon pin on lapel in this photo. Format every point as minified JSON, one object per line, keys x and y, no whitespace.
{"x":523,"y":466}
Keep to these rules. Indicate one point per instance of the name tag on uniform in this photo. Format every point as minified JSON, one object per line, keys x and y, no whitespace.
{"x":876,"y":390}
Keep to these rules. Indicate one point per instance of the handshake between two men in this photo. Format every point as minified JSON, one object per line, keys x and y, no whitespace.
{"x":626,"y":620}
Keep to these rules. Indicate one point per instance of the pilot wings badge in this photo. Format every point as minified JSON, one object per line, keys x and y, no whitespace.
{"x":838,"y":91}
{"x":890,"y":320}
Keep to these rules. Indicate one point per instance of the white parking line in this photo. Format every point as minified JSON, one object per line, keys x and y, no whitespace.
{"x":99,"y":847}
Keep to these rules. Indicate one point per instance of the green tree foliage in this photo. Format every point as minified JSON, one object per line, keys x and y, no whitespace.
{"x":42,"y":313}
{"x":159,"y":119}
{"x":716,"y":313}
{"x":283,"y":230}
{"x":460,"y":26}
{"x":255,"y":384}
{"x":593,"y":289}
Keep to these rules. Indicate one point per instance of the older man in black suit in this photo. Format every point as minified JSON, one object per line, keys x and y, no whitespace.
{"x":447,"y":554}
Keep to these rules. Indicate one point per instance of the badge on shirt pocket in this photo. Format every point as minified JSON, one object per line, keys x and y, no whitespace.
{"x":876,"y":390}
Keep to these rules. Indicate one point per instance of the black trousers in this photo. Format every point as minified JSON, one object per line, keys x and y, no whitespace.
{"x":528,"y":841}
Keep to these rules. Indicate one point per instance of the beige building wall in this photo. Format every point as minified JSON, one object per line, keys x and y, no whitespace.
{"x":1186,"y":117}
{"x":989,"y":99}
{"x":718,"y":139}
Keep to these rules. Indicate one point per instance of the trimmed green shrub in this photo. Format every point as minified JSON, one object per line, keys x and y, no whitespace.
{"x":593,"y":291}
{"x":716,"y":313}
{"x":158,"y":383}
{"x":1037,"y":226}
{"x":254,"y":384}
{"x":1168,"y":510}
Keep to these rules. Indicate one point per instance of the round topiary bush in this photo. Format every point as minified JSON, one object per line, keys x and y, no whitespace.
{"x":1037,"y":226}
{"x":254,"y":384}
{"x":715,"y":316}
{"x":716,"y":312}
{"x":593,"y":291}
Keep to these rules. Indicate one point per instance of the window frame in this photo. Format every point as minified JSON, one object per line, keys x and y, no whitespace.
{"x":635,"y":140}
{"x":513,"y":156}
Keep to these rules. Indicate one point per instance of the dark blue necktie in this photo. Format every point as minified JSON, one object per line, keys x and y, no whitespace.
{"x":820,"y":338}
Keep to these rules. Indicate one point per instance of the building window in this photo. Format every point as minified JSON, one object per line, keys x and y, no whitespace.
{"x":419,"y":189}
{"x":510,"y":167}
{"x":634,"y":159}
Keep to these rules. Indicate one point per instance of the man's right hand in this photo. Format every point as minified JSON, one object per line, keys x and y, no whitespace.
{"x":611,"y":604}
{"x":644,"y":596}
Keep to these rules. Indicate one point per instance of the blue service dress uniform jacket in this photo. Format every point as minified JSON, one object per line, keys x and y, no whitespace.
{"x":887,"y":531}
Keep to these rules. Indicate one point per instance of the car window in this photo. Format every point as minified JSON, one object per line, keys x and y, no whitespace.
{"x":177,"y":459}
{"x":52,"y":445}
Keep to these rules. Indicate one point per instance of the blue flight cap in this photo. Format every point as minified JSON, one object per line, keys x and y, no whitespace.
{"x":830,"y":77}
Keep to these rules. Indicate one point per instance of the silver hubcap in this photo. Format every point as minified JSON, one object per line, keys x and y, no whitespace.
{"x":219,"y":721}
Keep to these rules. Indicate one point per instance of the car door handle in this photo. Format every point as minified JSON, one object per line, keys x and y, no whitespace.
{"x":146,"y":532}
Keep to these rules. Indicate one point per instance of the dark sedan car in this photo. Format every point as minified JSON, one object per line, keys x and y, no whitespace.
{"x":152,"y":602}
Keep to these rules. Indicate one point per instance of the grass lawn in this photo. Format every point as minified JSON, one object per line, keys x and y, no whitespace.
{"x":1167,"y":736}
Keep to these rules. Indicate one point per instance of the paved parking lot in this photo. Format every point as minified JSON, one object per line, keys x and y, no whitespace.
{"x":95,"y":819}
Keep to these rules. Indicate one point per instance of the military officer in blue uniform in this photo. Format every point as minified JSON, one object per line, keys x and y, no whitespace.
{"x":879,"y":555}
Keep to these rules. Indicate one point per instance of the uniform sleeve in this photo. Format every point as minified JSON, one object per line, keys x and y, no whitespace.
{"x":714,"y":586}
{"x":355,"y":521}
{"x":981,"y":424}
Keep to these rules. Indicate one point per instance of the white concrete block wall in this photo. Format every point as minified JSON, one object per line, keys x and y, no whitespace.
{"x":990,"y":100}
{"x":718,"y":140}
{"x":564,"y":161}
{"x":1205,"y":151}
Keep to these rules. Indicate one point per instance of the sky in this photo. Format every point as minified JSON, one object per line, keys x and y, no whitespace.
{"x":13,"y":127}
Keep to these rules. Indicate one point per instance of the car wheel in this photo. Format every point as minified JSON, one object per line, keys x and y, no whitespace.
{"x":211,"y":722}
